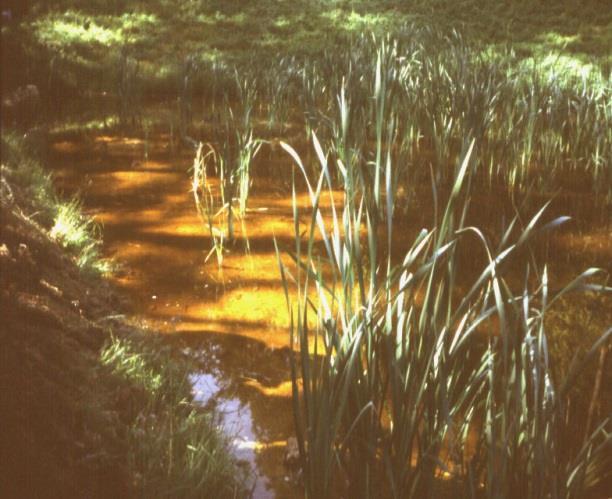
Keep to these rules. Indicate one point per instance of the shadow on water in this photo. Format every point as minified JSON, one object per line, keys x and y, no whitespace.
{"x":234,"y":319}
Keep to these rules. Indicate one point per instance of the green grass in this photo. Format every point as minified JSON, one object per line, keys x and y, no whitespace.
{"x":22,"y":171}
{"x":74,"y":41}
{"x":80,"y":234}
{"x":65,"y":220}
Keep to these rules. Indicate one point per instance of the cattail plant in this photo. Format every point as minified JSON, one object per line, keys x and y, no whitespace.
{"x":233,"y":160}
{"x":185,"y":100}
{"x":395,"y":374}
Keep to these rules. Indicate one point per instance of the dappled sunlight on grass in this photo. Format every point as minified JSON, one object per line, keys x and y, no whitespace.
{"x":356,"y":22}
{"x":93,"y":37}
{"x":564,"y":67}
{"x":62,"y":32}
{"x":70,"y":125}
{"x":72,"y":27}
{"x":220,"y":18}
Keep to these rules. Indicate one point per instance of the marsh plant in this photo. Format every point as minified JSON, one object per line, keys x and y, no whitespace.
{"x":535,"y":124}
{"x":247,"y":146}
{"x":215,"y":204}
{"x":128,"y":88}
{"x":415,"y":374}
{"x":185,"y":100}
{"x":235,"y":154}
{"x":232,"y":159}
{"x":208,"y":208}
{"x":405,"y":387}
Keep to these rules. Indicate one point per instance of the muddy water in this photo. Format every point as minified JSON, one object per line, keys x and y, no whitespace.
{"x":233,"y":320}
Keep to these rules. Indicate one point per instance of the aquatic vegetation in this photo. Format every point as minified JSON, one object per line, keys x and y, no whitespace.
{"x":537,"y":126}
{"x":204,"y":199}
{"x":402,"y":382}
{"x":232,"y":159}
{"x":405,"y":104}
{"x":401,"y":385}
{"x":246,"y":145}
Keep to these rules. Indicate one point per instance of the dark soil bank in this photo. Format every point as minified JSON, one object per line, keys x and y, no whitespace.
{"x":56,"y":440}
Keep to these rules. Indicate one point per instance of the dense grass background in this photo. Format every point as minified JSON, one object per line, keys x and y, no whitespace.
{"x":74,"y":44}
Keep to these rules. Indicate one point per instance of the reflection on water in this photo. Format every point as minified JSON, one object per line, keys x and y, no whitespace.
{"x":205,"y":386}
{"x":231,"y":380}
{"x":236,"y":420}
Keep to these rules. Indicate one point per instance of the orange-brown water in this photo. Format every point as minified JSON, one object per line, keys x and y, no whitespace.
{"x":234,"y":319}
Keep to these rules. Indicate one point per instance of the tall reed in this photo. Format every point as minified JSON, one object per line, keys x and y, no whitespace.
{"x":534,"y":123}
{"x":402,"y":386}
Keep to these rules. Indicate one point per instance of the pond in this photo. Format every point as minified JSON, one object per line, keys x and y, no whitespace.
{"x":233,"y":320}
